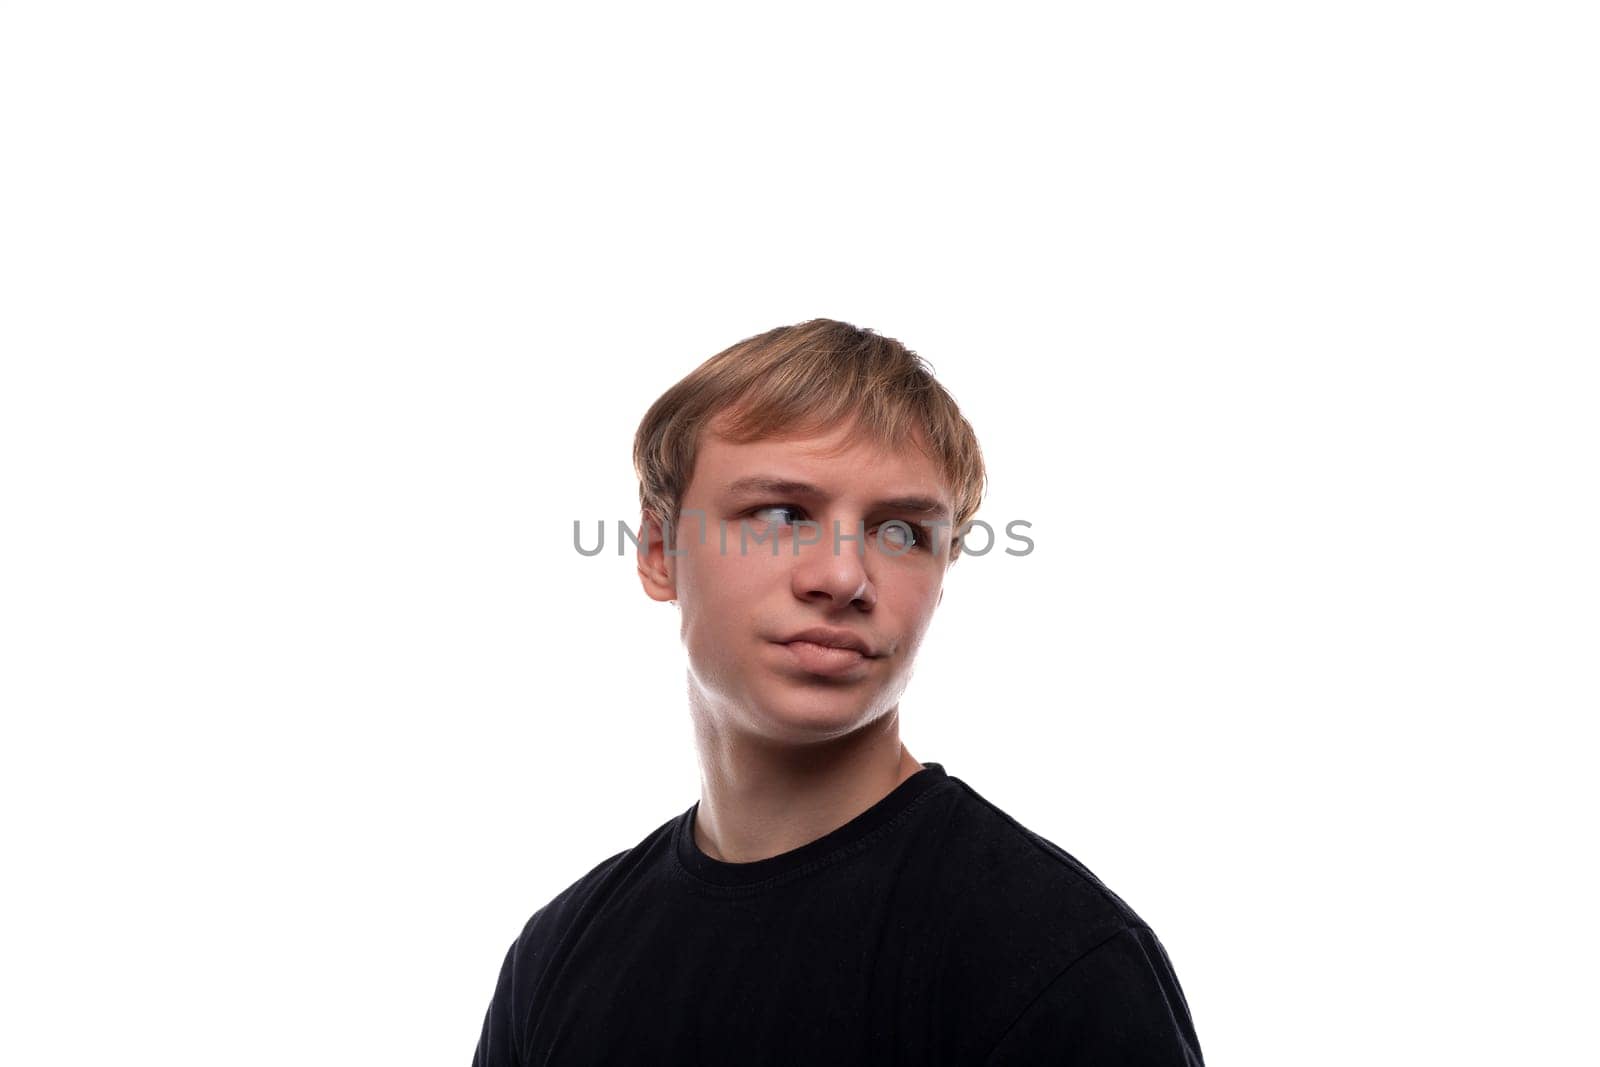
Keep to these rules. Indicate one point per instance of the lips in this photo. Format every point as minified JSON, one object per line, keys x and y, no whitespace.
{"x":825,"y":660}
{"x":828,"y":637}
{"x":828,"y":650}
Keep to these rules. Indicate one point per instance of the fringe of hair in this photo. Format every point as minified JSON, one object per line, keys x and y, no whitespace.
{"x":805,"y":379}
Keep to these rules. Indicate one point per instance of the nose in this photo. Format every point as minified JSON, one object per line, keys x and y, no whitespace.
{"x":822,"y":575}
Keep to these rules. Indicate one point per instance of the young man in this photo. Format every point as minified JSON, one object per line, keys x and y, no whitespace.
{"x":829,"y":900}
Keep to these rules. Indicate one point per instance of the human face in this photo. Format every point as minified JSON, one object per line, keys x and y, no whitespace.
{"x":739,"y":610}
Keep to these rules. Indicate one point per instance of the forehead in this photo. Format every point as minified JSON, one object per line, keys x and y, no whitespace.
{"x":838,"y":462}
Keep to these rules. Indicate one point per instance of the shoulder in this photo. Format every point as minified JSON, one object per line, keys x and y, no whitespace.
{"x":552,"y":925}
{"x":1013,"y":906}
{"x":1120,"y":1002}
{"x":557,"y":913}
{"x":994,"y":858}
{"x":1035,"y":942}
{"x":535,"y":955}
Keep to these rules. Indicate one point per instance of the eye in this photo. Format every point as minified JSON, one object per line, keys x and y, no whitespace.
{"x":775,"y":507}
{"x":903,"y":536}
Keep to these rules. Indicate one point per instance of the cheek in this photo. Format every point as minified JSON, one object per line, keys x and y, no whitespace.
{"x":710,"y":578}
{"x":728,"y":607}
{"x":723,"y":599}
{"x":917,"y":599}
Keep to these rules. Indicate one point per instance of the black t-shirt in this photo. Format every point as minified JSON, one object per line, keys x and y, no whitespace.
{"x":930,"y":929}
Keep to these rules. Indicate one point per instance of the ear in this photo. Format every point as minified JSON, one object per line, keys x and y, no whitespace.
{"x":656,"y":570}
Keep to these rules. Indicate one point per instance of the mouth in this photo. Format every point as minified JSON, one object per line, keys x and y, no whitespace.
{"x":831,"y":637}
{"x":815,"y":658}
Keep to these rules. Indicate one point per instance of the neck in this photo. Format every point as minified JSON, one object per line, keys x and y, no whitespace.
{"x":759,"y":798}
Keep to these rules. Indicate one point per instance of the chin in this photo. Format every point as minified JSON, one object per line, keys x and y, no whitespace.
{"x":815,"y":715}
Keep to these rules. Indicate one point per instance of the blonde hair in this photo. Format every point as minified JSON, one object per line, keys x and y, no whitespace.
{"x":804,"y":379}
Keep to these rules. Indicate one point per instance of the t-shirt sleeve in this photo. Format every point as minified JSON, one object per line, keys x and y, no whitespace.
{"x":505,"y":1026}
{"x":1118,"y":1005}
{"x":497,"y":1045}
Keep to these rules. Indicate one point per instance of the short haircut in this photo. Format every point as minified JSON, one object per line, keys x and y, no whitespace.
{"x":807,"y":379}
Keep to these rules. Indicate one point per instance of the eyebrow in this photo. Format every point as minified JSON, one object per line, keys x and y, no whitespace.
{"x":927,"y":506}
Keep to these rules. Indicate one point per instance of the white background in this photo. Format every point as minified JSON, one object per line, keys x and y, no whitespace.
{"x":322,"y":322}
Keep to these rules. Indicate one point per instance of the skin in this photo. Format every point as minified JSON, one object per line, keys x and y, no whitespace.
{"x":788,"y":755}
